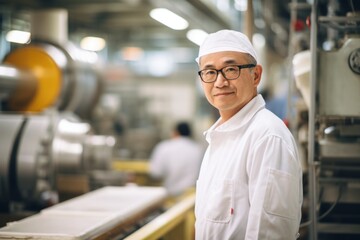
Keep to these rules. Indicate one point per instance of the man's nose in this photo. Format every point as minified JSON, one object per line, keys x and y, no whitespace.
{"x":221,"y":81}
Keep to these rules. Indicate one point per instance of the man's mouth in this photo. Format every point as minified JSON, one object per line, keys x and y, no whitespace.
{"x":223,"y":94}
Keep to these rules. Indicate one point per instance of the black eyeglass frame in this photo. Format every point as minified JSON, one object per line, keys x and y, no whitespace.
{"x":221,"y":70}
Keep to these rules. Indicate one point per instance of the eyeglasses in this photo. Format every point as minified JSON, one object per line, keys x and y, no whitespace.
{"x":229,"y":72}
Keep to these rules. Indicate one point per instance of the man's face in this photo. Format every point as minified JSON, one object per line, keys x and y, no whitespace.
{"x":229,"y":96}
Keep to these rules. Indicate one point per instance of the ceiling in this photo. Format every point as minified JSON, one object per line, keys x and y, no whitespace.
{"x":127,"y":22}
{"x":122,"y":22}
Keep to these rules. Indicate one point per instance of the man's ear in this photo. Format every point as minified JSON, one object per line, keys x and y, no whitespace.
{"x":257,"y":74}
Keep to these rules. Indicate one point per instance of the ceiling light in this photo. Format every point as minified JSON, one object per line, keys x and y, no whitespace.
{"x":16,"y":36}
{"x":258,"y":40}
{"x":241,"y":5}
{"x":197,"y":36}
{"x":92,"y":43}
{"x":169,"y":18}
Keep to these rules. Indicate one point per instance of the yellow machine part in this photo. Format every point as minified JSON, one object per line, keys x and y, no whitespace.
{"x":47,"y":73}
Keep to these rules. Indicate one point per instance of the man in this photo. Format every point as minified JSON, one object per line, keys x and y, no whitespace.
{"x":177,"y":161}
{"x":250,"y":182}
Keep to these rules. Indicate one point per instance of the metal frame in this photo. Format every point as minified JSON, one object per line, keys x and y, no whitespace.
{"x":312,"y":120}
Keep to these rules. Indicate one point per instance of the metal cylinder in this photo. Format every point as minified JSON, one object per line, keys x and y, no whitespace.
{"x":67,"y":155}
{"x":17,"y":87}
{"x":50,"y":25}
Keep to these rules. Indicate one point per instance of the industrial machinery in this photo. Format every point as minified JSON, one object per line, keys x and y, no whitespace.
{"x":48,"y":89}
{"x":51,"y":154}
{"x":332,"y":94}
{"x":38,"y":148}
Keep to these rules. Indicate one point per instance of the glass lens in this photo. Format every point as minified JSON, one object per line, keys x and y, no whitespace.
{"x":208,"y":75}
{"x":231,"y":72}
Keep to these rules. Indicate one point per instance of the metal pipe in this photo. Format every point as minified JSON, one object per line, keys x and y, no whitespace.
{"x":312,"y":122}
{"x":16,"y":86}
{"x":249,"y":23}
{"x":9,"y":78}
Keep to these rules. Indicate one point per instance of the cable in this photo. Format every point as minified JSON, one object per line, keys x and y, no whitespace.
{"x":327,"y":211}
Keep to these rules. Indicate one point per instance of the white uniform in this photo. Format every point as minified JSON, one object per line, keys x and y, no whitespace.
{"x":178,"y":162}
{"x":250,"y":182}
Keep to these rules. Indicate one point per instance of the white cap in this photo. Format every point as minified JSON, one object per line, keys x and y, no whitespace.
{"x":226,"y":40}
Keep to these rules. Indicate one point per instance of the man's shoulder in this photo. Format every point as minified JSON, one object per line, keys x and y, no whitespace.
{"x":267,"y":123}
{"x":268,"y":118}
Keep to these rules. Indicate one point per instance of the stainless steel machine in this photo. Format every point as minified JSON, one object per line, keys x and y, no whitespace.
{"x":48,"y":90}
{"x":36,"y":148}
{"x":333,"y":93}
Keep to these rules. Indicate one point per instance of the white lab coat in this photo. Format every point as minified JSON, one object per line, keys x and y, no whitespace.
{"x":177,"y":161}
{"x":250,"y":182}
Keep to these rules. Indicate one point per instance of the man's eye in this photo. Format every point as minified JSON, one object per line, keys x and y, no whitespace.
{"x":210,"y":72}
{"x":230,"y":69}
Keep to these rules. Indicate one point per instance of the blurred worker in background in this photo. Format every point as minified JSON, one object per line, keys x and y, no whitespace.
{"x":177,"y":161}
{"x":250,"y":182}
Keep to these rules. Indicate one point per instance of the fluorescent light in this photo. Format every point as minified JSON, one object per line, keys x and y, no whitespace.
{"x":241,"y":5}
{"x":92,"y":43}
{"x":197,"y":36}
{"x":169,"y":18}
{"x":259,"y":40}
{"x":16,"y":36}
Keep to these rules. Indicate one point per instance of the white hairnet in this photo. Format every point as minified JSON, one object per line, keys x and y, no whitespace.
{"x":226,"y":40}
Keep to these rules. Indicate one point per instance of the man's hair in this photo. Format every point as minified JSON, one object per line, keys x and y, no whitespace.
{"x":183,"y":129}
{"x":251,"y":59}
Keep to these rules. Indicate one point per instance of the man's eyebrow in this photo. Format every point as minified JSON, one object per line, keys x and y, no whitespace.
{"x":209,"y":66}
{"x":230,"y":61}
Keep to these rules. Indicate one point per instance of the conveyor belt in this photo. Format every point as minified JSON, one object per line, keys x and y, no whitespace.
{"x":101,"y":214}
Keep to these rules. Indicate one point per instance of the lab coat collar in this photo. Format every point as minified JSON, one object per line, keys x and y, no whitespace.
{"x":240,"y":118}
